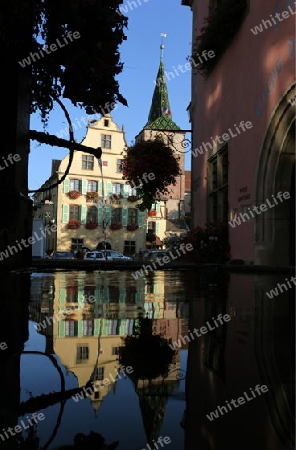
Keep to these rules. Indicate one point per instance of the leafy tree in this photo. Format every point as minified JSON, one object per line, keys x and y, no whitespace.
{"x":83,"y":70}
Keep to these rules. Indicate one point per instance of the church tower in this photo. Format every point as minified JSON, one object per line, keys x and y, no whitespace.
{"x":160,"y":124}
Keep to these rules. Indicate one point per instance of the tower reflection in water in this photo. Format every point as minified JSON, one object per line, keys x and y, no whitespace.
{"x":87,"y":339}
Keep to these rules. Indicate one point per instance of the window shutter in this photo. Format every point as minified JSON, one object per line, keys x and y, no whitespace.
{"x":126,"y":189}
{"x":157,"y":228}
{"x":109,"y":188}
{"x":83,"y":214}
{"x":157,"y":207}
{"x":108,"y":215}
{"x":62,"y":328}
{"x":65,"y":213}
{"x":106,"y":294}
{"x":62,"y":296}
{"x":96,"y":327}
{"x":97,"y":295}
{"x":122,"y":327}
{"x":66,"y":185}
{"x":81,"y":299}
{"x":140,"y":218}
{"x":100,"y":215}
{"x":124,"y":217}
{"x":84,"y":187}
{"x":80,"y":328}
{"x":100,"y":188}
{"x":122,"y":295}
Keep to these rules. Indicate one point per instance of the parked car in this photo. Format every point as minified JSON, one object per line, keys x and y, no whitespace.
{"x":62,"y":255}
{"x":112,"y":255}
{"x":141,"y":255}
{"x":153,"y":254}
{"x":80,"y":253}
{"x":94,"y":256}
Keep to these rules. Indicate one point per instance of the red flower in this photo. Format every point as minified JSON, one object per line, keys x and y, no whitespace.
{"x":151,"y":156}
{"x":131,"y":227}
{"x":74,"y":194}
{"x":115,"y":226}
{"x":73,"y":224}
{"x":92,"y":195}
{"x":91,"y":225}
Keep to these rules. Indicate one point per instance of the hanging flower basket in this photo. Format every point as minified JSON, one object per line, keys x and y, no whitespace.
{"x":92,"y":195}
{"x":74,"y":194}
{"x":115,"y":196}
{"x":150,"y":355}
{"x":150,"y":236}
{"x":151,"y":157}
{"x":132,"y":198}
{"x":91,"y":225}
{"x":73,"y":224}
{"x":115,"y":226}
{"x":131,"y":227}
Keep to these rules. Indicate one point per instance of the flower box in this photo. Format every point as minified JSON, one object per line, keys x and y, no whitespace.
{"x":132,"y":198}
{"x":152,"y":213}
{"x":131,"y":227}
{"x":92,"y":195}
{"x":115,"y":226}
{"x":73,"y":224}
{"x":91,"y":225}
{"x":74,"y":194}
{"x":115,"y":196}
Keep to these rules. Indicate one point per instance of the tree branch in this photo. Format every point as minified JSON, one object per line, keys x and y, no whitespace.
{"x":50,"y":139}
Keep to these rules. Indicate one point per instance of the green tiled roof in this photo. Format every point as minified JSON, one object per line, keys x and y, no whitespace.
{"x":160,"y":115}
{"x":162,"y":123}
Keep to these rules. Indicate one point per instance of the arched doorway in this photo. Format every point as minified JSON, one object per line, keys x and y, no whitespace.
{"x":275,"y":228}
{"x":101,"y":246}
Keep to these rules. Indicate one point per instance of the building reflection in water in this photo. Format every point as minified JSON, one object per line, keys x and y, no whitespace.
{"x":255,"y":347}
{"x":93,"y":331}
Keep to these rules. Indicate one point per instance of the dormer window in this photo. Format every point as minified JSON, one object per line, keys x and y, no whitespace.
{"x":106,"y":123}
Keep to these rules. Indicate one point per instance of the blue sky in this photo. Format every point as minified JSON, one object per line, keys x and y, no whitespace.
{"x":140,"y":54}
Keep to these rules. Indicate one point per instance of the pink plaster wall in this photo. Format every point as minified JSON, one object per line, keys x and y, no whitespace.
{"x":234,"y":93}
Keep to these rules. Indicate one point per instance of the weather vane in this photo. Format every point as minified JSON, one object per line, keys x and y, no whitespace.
{"x":163,"y":35}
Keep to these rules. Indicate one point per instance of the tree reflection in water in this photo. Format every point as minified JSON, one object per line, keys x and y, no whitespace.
{"x":148,"y":354}
{"x":151,"y":358}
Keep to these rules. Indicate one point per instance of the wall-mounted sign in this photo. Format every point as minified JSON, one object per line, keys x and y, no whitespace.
{"x":245,"y":195}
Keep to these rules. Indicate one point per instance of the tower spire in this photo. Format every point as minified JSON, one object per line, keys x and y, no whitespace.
{"x":160,"y":115}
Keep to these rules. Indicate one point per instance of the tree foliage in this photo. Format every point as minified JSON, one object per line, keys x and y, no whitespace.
{"x":84,"y":70}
